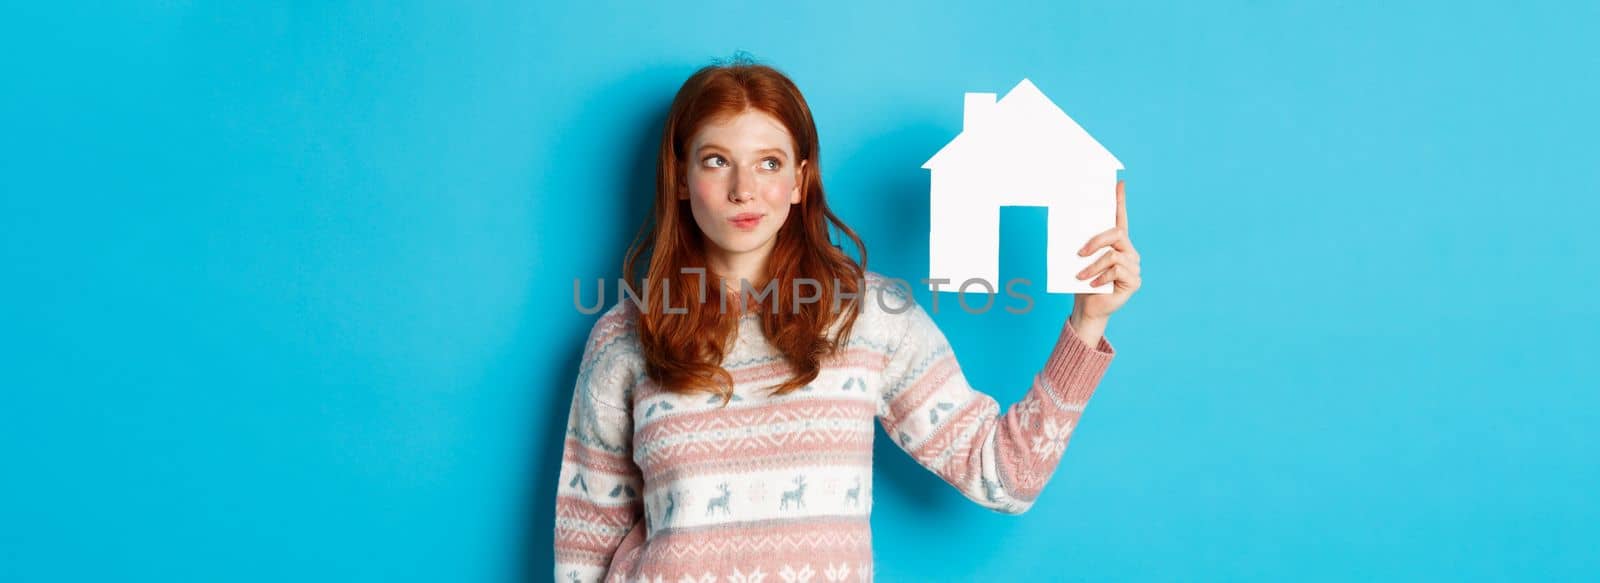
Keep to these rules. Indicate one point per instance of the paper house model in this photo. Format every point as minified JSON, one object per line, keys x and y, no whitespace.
{"x":1021,"y":150}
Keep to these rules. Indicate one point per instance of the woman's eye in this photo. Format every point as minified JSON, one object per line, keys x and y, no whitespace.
{"x":715,"y":161}
{"x":770,"y":164}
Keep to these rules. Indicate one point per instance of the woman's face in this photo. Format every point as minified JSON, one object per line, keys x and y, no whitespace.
{"x":742,"y":178}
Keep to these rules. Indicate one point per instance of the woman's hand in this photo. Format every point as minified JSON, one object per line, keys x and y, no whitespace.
{"x":1119,"y":266}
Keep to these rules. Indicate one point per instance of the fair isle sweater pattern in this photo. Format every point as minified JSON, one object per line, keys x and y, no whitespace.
{"x":660,"y":487}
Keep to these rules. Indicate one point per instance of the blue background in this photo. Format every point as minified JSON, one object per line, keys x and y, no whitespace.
{"x":287,"y":289}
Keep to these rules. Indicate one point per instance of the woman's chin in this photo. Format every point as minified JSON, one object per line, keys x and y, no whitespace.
{"x":741,"y":242}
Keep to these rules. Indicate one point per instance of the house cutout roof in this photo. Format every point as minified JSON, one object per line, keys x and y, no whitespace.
{"x":1024,"y":124}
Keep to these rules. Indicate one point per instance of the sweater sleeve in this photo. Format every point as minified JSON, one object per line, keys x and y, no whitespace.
{"x":597,"y":498}
{"x":1000,"y":461}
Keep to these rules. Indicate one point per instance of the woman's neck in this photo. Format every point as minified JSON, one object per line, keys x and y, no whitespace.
{"x":741,"y":273}
{"x":735,"y":269}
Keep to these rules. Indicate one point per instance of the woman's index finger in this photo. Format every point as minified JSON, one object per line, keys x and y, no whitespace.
{"x":1122,"y":207}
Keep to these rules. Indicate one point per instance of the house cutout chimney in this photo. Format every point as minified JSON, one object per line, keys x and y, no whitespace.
{"x":977,"y":111}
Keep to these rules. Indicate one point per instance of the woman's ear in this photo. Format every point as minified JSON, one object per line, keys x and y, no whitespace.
{"x":799,"y":183}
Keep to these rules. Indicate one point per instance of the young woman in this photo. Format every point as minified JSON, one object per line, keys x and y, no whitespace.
{"x":726,"y":434}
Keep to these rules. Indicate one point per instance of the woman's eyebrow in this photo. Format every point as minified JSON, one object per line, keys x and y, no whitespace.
{"x":778,"y":151}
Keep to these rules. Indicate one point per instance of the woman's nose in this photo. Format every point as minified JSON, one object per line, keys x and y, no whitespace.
{"x":743,"y":186}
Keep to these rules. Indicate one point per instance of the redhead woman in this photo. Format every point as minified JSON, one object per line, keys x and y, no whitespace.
{"x":724,"y":432}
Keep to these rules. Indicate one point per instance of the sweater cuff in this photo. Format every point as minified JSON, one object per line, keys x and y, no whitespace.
{"x":1074,"y":369}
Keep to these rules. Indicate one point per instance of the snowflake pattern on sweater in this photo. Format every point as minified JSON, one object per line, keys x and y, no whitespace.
{"x":656,"y":486}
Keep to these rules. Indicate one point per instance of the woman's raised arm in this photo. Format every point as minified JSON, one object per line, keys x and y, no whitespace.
{"x":1000,"y":461}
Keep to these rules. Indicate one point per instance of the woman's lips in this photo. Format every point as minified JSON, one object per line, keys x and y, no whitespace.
{"x":746,"y":221}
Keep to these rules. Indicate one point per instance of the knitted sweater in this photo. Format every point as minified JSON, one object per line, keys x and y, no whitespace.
{"x":656,"y":486}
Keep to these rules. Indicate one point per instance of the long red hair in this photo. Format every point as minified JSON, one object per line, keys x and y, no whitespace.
{"x":684,"y":351}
